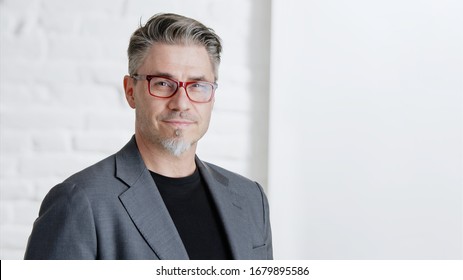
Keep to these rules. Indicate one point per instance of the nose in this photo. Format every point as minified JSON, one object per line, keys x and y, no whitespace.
{"x":180,"y":100}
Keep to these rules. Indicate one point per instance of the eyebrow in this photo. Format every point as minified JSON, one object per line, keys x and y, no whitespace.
{"x":192,"y":78}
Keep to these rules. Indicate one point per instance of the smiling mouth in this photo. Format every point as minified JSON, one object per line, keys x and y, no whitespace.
{"x":179,"y":123}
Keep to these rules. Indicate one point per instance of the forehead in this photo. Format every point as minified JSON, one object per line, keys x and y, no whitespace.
{"x":180,"y":61}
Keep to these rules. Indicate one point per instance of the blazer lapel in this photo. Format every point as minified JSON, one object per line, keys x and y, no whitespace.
{"x":144,"y":204}
{"x":230,"y":207}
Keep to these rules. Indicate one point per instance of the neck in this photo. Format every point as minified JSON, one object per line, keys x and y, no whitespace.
{"x":159,"y":160}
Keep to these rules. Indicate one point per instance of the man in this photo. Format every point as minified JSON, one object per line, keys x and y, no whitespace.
{"x":155,"y":199}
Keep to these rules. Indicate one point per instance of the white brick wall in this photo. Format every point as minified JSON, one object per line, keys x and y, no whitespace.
{"x":61,"y":101}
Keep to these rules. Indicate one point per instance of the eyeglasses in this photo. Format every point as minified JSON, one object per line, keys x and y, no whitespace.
{"x":163,"y":87}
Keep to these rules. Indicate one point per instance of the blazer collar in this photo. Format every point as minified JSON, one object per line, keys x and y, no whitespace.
{"x":144,"y":204}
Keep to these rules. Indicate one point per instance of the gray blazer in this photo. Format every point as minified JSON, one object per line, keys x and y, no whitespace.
{"x":113,"y":210}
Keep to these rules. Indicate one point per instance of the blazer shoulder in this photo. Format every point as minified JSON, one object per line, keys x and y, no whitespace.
{"x":97,"y":180}
{"x":230,"y":175}
{"x":235,"y":181}
{"x":101,"y":170}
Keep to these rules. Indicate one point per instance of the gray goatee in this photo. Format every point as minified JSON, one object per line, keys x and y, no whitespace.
{"x":176,"y":145}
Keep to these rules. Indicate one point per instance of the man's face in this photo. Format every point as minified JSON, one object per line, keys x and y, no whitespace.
{"x":174,"y":124}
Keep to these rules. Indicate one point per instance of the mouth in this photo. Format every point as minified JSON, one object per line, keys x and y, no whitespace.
{"x":179,"y":124}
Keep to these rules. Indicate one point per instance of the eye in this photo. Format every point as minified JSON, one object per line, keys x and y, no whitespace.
{"x":163,"y":84}
{"x":199,"y":86}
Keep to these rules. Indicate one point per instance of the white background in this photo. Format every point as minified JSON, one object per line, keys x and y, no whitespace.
{"x":366,"y":129}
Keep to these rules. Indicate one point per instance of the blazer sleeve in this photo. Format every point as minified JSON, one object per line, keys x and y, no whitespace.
{"x":65,"y":228}
{"x":267,"y":227}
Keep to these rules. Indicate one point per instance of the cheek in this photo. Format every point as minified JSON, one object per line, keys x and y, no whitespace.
{"x":147,"y":111}
{"x":206,"y":116}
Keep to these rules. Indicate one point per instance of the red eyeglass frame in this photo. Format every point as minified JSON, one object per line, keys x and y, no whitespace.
{"x":179,"y":84}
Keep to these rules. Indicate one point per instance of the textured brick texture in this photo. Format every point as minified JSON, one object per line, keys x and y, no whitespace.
{"x":61,"y":100}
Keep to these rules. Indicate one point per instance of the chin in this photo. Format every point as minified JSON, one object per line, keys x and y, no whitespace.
{"x":176,"y":146}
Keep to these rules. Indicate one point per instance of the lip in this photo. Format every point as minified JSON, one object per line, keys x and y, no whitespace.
{"x":179,"y":123}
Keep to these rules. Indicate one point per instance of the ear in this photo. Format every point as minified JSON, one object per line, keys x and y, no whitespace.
{"x":129,"y":91}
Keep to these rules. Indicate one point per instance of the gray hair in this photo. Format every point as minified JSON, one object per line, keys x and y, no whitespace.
{"x":172,"y":29}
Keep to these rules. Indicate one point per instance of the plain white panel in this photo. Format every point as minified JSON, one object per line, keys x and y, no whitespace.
{"x":366,"y":129}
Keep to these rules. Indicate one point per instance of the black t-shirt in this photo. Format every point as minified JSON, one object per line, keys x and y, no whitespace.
{"x":194,"y":214}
